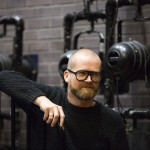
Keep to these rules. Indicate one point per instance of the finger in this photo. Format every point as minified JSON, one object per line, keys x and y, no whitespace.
{"x":62,"y":116}
{"x":46,"y":112}
{"x":50,"y":118}
{"x":55,"y":116}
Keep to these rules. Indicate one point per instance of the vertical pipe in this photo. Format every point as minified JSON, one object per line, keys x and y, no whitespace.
{"x":67,"y":32}
{"x":28,"y":136}
{"x":120,"y":31}
{"x":110,"y":14}
{"x":13,"y":127}
{"x":18,"y":41}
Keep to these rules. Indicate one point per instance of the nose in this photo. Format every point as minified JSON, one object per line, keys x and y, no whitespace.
{"x":88,"y":79}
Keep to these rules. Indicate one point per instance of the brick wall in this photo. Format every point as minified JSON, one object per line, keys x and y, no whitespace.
{"x":44,"y":36}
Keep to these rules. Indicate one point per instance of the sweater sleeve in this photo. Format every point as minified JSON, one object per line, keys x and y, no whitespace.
{"x":24,"y":91}
{"x":16,"y":85}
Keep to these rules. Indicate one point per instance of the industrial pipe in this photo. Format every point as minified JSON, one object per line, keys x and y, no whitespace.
{"x":111,"y":9}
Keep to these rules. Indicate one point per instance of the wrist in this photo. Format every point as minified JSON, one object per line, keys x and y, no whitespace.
{"x":39,"y":100}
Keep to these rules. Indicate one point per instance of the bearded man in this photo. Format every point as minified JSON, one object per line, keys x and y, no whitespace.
{"x":72,"y":120}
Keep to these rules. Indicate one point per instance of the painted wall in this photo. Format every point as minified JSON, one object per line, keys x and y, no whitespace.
{"x":44,"y":36}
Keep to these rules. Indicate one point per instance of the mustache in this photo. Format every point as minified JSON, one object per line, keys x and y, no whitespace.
{"x":88,"y":85}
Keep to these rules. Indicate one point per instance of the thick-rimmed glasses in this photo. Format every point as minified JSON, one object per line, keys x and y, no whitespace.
{"x":82,"y":75}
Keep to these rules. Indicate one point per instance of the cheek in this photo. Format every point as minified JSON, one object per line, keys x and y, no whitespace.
{"x":97,"y":85}
{"x":74,"y":83}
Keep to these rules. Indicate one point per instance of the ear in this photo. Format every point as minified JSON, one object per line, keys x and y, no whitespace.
{"x":66,"y":76}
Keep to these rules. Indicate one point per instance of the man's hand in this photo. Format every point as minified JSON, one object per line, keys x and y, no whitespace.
{"x":52,"y":113}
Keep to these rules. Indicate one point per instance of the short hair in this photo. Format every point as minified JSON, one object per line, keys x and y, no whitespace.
{"x":82,"y":51}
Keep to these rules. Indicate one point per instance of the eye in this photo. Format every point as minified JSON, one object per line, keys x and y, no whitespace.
{"x":96,"y":74}
{"x":82,"y":73}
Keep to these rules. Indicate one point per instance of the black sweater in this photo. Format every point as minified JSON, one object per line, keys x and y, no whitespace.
{"x":93,"y":128}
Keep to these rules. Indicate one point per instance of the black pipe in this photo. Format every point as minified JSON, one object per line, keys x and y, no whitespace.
{"x":136,"y":113}
{"x":110,"y":14}
{"x":18,"y":41}
{"x":70,"y":19}
{"x":6,"y":116}
{"x":13,"y":125}
{"x":111,"y":7}
{"x":19,"y":28}
{"x":67,"y":32}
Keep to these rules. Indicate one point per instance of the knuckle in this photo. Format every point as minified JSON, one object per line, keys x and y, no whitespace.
{"x":62,"y":116}
{"x":46,"y":109}
{"x":55,"y":107}
{"x":60,"y":108}
{"x":48,"y":121}
{"x":56,"y":116}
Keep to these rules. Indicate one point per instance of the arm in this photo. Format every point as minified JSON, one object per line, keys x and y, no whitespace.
{"x":19,"y":87}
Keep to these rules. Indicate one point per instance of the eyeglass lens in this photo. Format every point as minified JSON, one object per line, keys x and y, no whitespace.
{"x":82,"y":75}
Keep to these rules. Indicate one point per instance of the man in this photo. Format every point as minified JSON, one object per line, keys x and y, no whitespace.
{"x":77,"y":121}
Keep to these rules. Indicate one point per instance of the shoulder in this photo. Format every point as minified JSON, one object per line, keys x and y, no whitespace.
{"x":110,"y":116}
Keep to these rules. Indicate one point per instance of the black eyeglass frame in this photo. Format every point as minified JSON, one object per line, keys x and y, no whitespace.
{"x":88,"y":73}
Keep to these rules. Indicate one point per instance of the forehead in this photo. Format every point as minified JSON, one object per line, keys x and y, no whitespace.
{"x":86,"y":62}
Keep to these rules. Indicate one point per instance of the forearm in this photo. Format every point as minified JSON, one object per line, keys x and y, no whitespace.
{"x":18,"y":86}
{"x":27,"y":91}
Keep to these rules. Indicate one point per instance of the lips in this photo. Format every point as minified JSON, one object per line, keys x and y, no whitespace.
{"x":88,"y":87}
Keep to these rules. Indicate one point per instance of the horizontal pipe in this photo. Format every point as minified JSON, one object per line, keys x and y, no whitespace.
{"x":13,"y":20}
{"x":70,"y":19}
{"x":85,"y":16}
{"x":136,"y":114}
{"x":3,"y":116}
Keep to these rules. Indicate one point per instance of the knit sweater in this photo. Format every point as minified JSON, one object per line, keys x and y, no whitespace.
{"x":92,"y":128}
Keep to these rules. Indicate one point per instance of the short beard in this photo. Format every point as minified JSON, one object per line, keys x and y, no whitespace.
{"x":82,"y":94}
